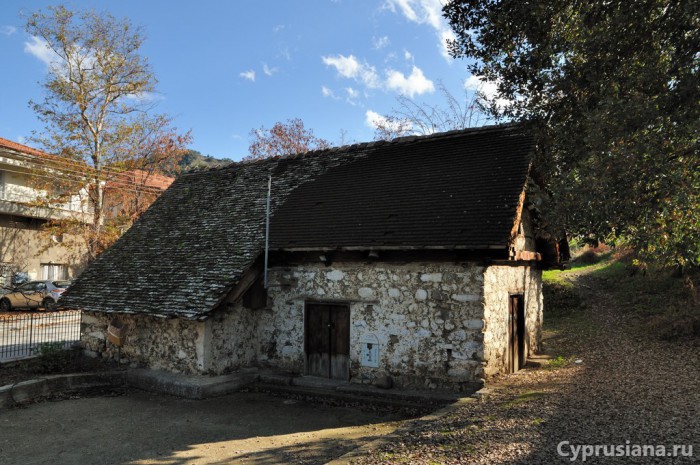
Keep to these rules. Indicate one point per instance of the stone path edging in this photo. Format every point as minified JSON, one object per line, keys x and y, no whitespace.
{"x":27,"y":391}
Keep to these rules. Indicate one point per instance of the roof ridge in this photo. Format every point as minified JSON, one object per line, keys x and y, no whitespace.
{"x":349,"y":148}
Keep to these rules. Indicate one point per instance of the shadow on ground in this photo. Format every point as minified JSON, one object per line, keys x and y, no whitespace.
{"x":143,"y":428}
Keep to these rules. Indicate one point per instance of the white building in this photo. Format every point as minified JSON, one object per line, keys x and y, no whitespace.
{"x":24,"y":247}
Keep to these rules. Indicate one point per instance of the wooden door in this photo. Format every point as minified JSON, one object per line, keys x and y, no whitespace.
{"x":327,"y":340}
{"x":516,"y":333}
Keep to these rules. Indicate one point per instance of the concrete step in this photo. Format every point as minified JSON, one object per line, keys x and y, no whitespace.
{"x":352,"y":392}
{"x":537,"y":360}
{"x":190,"y":387}
{"x":334,"y":395}
{"x":274,"y":377}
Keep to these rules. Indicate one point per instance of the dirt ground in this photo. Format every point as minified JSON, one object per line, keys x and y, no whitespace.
{"x":137,"y":427}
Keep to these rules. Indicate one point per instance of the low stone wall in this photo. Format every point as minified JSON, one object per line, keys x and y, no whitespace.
{"x":173,"y":344}
{"x":427,"y":319}
{"x":500,"y":282}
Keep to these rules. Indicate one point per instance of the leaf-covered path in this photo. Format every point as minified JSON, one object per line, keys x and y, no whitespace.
{"x":628,"y":390}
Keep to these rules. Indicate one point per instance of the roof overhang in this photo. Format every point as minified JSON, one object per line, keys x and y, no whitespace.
{"x":387,"y":248}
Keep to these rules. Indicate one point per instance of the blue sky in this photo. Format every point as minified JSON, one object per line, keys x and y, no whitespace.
{"x":227,"y":67}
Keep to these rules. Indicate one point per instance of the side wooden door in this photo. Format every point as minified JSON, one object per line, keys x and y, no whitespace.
{"x":327,"y":340}
{"x":516,"y":333}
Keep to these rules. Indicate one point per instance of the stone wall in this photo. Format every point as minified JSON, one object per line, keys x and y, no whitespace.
{"x":427,"y":319}
{"x":230,"y":338}
{"x":437,"y":325}
{"x":173,"y":344}
{"x":499,"y":283}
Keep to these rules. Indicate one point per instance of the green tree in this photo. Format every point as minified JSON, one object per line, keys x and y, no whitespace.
{"x":611,"y":89}
{"x":98,"y":115}
{"x":283,"y":139}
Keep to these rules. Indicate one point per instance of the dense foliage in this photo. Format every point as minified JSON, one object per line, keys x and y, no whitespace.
{"x":195,"y":160}
{"x":612,"y":89}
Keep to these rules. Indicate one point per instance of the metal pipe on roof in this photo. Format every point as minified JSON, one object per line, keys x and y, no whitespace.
{"x":267,"y":228}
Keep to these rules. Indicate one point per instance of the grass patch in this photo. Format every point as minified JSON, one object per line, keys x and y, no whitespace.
{"x":558,"y":362}
{"x":525,"y":397}
{"x":557,"y":277}
{"x":662,"y":304}
{"x":666,"y":305}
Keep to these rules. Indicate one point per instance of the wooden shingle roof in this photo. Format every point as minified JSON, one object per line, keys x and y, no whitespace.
{"x":184,"y":255}
{"x":455,"y":190}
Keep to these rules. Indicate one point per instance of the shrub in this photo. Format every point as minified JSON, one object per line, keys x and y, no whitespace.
{"x":52,"y":357}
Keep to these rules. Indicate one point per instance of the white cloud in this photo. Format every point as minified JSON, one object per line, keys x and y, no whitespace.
{"x":353,"y":95}
{"x":268,"y":71}
{"x":286,"y":54}
{"x":419,"y":11}
{"x":445,"y":35}
{"x":380,"y":42}
{"x":7,"y":30}
{"x":326,"y":92}
{"x":278,"y":28}
{"x":249,"y":75}
{"x":374,"y":120}
{"x":427,"y":12}
{"x":40,"y":49}
{"x":146,"y":97}
{"x":407,"y":55}
{"x":350,"y":67}
{"x":488,"y":88}
{"x":415,"y":84}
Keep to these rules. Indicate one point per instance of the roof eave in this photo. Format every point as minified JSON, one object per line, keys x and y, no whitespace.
{"x":391,"y":248}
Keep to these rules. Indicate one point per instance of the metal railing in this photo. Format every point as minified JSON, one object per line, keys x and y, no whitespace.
{"x":22,"y":333}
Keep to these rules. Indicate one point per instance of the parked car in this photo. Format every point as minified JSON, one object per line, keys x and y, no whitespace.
{"x":34,"y":294}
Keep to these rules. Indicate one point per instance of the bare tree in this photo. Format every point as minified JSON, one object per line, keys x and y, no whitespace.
{"x":411,"y":117}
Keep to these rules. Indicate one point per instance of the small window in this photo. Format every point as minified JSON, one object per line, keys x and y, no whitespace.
{"x":52,"y":271}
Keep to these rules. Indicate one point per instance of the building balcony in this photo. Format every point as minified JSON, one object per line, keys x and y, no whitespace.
{"x":19,"y":204}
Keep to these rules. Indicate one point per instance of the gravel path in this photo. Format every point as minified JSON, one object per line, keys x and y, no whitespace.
{"x":627,"y":390}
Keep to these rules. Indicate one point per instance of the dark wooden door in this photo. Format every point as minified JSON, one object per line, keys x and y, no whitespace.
{"x":327,"y":340}
{"x":516,"y":333}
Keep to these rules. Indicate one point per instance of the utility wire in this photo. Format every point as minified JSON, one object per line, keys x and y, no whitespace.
{"x":127,"y":186}
{"x":81,"y":170}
